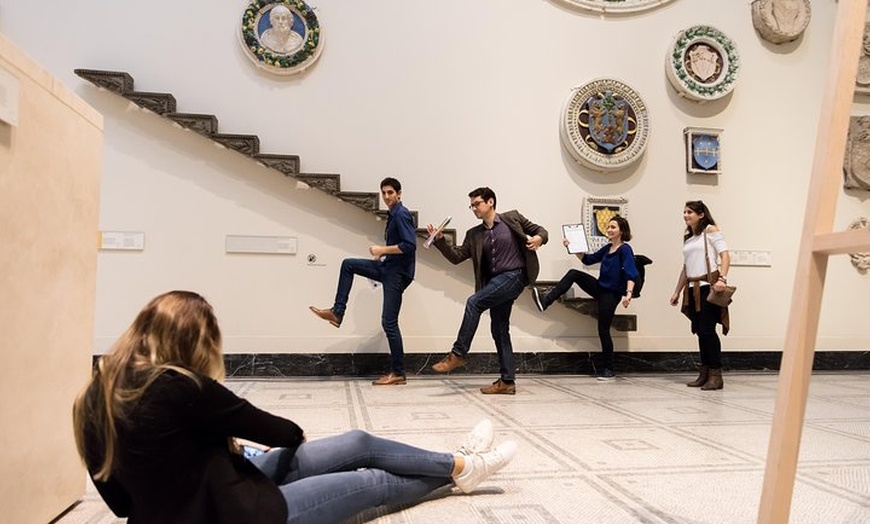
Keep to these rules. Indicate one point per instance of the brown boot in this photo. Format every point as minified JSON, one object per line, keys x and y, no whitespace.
{"x":327,"y":315}
{"x":499,"y":388}
{"x":390,"y":379}
{"x":449,"y":363}
{"x":702,"y":378}
{"x":715,"y":380}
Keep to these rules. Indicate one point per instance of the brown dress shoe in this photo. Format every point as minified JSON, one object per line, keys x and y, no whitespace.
{"x":449,"y":363}
{"x":326,"y":314}
{"x":499,"y":388}
{"x":390,"y":379}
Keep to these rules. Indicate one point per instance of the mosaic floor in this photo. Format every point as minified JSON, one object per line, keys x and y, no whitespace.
{"x":642,"y":448}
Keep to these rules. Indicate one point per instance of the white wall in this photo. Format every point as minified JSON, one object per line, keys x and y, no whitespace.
{"x":446,"y":96}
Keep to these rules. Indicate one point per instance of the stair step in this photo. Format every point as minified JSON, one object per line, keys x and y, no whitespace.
{"x":206,"y":125}
{"x":160,"y":103}
{"x":287,"y":164}
{"x":366,"y":201}
{"x":116,"y":81}
{"x":324,"y":182}
{"x":589,"y":306}
{"x":245,"y":144}
{"x":383,"y":214}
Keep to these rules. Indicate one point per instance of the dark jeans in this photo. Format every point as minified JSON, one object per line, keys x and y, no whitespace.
{"x":393,"y":284}
{"x":704,"y":326}
{"x":498,"y":297}
{"x":607,"y":302}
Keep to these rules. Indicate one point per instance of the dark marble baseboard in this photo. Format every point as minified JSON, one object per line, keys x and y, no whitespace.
{"x":369,"y":364}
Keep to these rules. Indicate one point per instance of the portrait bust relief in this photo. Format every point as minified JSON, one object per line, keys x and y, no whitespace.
{"x":862,"y":86}
{"x":281,"y":36}
{"x":780,"y":21}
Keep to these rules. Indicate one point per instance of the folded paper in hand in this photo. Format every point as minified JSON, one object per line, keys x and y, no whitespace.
{"x":435,"y":233}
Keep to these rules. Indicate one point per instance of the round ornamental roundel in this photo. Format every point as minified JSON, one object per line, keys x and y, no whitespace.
{"x":281,"y":36}
{"x":702,"y":63}
{"x":616,"y":6}
{"x":604,"y":125}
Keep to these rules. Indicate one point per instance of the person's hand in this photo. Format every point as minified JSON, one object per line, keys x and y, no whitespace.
{"x":376,"y":251}
{"x":675,"y":298}
{"x":431,"y":229}
{"x":565,"y":242}
{"x":626,"y":300}
{"x":533,"y":243}
{"x":719,"y":286}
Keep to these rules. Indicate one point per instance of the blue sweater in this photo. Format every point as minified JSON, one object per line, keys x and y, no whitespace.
{"x":617,"y":268}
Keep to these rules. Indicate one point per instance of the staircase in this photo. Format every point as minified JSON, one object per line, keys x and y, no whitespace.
{"x":164,"y":104}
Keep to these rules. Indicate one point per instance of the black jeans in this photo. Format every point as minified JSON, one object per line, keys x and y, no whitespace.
{"x":704,"y":326}
{"x":607,"y":302}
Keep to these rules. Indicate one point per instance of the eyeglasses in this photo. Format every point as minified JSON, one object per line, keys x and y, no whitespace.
{"x":475,"y":204}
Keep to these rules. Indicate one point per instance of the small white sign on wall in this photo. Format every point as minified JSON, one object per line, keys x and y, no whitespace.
{"x":122,"y":240}
{"x":8,"y":97}
{"x":258,"y":244}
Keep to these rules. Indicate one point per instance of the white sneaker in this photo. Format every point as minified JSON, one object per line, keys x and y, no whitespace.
{"x":479,"y":467}
{"x":478,"y":440}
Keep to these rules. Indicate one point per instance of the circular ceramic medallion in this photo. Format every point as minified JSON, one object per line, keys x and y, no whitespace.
{"x":605,"y":125}
{"x":281,"y":36}
{"x":780,"y":21}
{"x":616,"y":6}
{"x":702,"y":63}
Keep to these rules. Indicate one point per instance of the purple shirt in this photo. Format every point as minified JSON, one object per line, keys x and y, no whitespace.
{"x":501,"y":250}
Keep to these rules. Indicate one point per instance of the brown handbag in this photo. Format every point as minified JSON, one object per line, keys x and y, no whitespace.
{"x":719,"y":298}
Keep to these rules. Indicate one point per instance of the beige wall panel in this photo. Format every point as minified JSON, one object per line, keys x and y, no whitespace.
{"x":49,"y":202}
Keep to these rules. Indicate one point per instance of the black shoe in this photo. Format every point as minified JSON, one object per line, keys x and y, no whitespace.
{"x":606,"y":374}
{"x":537,"y":296}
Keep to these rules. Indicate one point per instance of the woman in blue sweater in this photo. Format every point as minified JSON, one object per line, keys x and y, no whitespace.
{"x":615,"y":284}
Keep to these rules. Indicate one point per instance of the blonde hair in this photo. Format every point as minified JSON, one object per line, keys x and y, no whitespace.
{"x":174,"y":331}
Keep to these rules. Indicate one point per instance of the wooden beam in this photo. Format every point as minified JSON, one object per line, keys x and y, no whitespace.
{"x":843,"y":243}
{"x":800,"y":339}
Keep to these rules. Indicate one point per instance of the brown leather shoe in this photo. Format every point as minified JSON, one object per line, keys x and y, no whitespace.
{"x":449,"y":363}
{"x":499,"y":388}
{"x":327,"y":315}
{"x":390,"y":379}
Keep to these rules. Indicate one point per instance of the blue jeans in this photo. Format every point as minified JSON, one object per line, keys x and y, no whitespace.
{"x":394,"y":284}
{"x":334,"y":478}
{"x":498,"y":297}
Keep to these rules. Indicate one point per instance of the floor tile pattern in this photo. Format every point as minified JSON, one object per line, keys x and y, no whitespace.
{"x":641,"y":449}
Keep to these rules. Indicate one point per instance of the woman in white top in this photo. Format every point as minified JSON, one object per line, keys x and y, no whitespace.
{"x":702,"y":238}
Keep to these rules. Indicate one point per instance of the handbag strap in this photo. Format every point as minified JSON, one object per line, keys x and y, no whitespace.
{"x":707,"y":260}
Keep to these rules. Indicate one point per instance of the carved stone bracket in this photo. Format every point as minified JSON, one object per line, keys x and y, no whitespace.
{"x":861,"y":261}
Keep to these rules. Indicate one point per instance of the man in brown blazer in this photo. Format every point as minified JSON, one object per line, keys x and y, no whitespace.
{"x":503,"y":250}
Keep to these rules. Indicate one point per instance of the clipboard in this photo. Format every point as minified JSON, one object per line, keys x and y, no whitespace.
{"x":577,"y":241}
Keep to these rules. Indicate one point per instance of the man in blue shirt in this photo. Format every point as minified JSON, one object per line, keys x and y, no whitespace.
{"x":393,"y":266}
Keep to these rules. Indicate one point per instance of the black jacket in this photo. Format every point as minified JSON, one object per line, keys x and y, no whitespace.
{"x":174,"y":463}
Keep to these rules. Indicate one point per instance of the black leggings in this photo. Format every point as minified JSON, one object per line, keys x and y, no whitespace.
{"x":607,"y":302}
{"x":704,"y":325}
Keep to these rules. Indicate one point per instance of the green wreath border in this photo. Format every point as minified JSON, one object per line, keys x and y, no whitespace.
{"x":726,"y":83}
{"x":267,"y":57}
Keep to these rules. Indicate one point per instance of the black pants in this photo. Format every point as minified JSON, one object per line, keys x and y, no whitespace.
{"x":704,"y":326}
{"x":607,"y":302}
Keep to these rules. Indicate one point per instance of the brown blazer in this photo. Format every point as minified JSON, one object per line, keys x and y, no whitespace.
{"x":472,"y":246}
